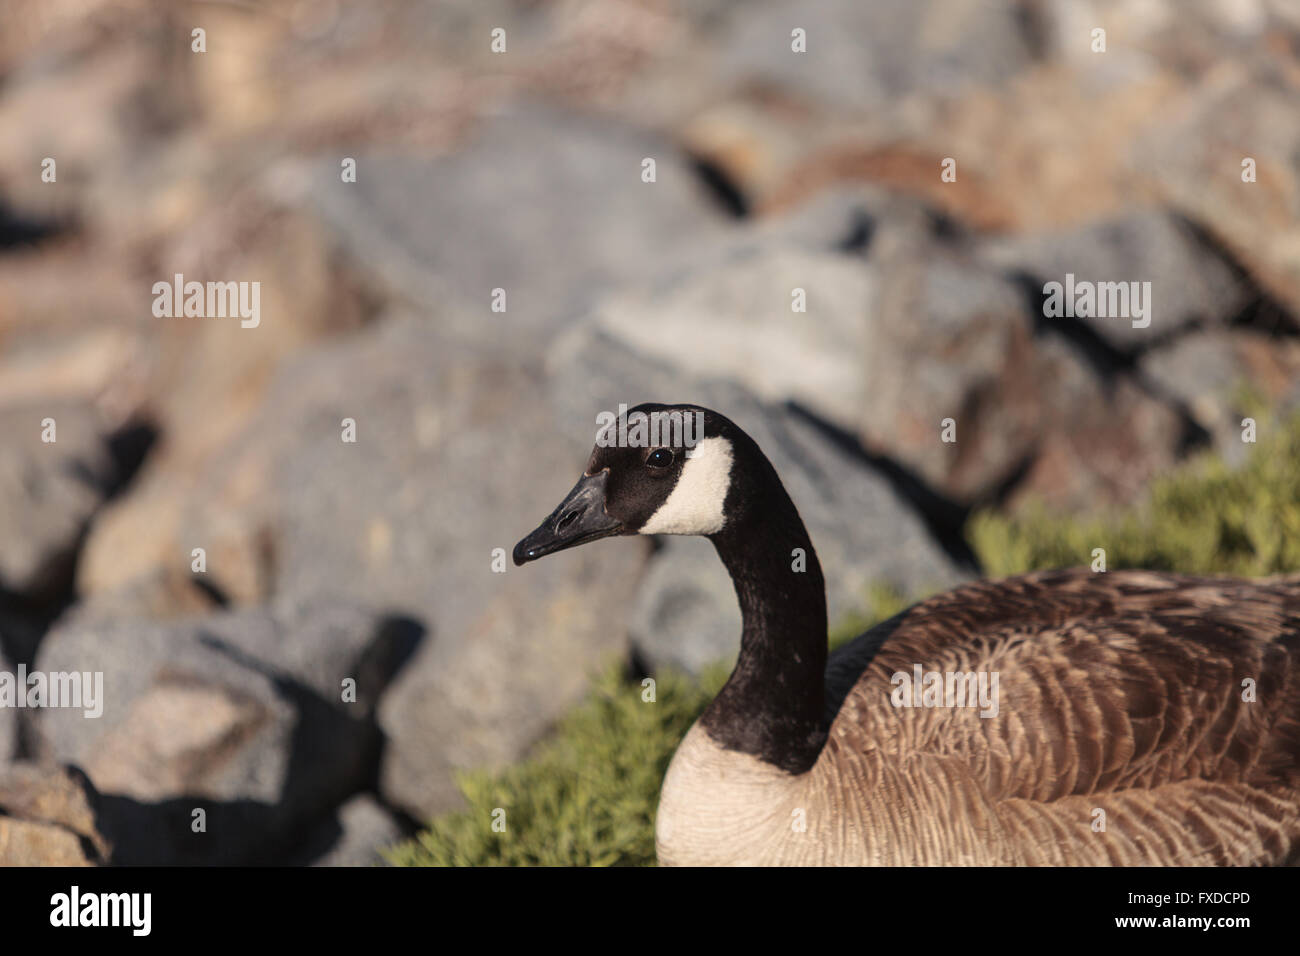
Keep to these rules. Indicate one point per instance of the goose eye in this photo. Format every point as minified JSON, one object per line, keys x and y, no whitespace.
{"x":660,"y":458}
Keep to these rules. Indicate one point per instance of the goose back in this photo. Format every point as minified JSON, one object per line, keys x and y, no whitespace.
{"x":1142,"y":718}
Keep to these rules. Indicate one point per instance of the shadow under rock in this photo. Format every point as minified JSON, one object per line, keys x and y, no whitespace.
{"x":1111,"y":363}
{"x":943,"y":518}
{"x":252,"y":832}
{"x":724,"y":190}
{"x":26,"y":616}
{"x":1262,"y":312}
{"x":17,"y":230}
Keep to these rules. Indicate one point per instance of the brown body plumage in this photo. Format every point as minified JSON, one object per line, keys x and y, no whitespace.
{"x":1120,"y":692}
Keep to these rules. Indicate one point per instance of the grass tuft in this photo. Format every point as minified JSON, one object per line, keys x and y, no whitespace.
{"x":1204,"y":518}
{"x":586,"y":797}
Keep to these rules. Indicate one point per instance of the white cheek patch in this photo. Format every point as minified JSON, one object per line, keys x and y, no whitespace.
{"x":695,"y":504}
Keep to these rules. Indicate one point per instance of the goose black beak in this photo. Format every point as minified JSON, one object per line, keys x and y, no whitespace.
{"x":581,"y":517}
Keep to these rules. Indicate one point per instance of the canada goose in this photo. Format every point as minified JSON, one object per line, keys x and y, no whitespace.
{"x":1141,"y":718}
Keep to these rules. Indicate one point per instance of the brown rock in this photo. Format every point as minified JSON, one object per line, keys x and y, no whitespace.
{"x":951,"y":339}
{"x":210,"y":379}
{"x":1193,"y":157}
{"x":172,"y":738}
{"x":51,"y":811}
{"x":39,"y":844}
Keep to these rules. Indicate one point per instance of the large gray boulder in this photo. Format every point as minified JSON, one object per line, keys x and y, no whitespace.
{"x":245,"y":716}
{"x":728,"y":312}
{"x":1191,"y":284}
{"x":556,"y":196}
{"x":729,"y":315}
{"x":457,"y":456}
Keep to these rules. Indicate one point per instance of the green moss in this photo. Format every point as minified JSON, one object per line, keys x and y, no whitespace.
{"x":1204,"y":518}
{"x":587,"y":796}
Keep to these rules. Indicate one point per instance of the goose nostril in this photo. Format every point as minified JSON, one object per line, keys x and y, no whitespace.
{"x":566,"y":520}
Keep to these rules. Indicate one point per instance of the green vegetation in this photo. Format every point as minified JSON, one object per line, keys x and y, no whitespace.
{"x":585,"y":797}
{"x":588,"y":795}
{"x":1205,"y":518}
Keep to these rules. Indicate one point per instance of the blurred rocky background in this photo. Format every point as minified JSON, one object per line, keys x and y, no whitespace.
{"x":371,"y":562}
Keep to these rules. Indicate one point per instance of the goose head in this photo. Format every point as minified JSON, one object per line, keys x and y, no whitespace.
{"x":657,"y":469}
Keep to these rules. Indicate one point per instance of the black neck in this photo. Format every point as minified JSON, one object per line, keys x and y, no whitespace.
{"x":772,"y":705}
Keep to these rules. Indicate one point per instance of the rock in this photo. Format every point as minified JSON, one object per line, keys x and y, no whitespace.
{"x":170,"y":594}
{"x":535,"y":180}
{"x":80,"y":370}
{"x":208,"y":377}
{"x":411,"y":516}
{"x":51,"y":797}
{"x":730,"y":316}
{"x":949,"y":340}
{"x":908,"y":325}
{"x":99,"y":96}
{"x":1193,"y":156}
{"x":1034,"y":414}
{"x":241,"y":715}
{"x":1103,"y":440}
{"x":686,"y":613}
{"x":865,"y":55}
{"x":1012,"y":174}
{"x":1212,"y":372}
{"x":362,"y":829}
{"x":1190,"y":283}
{"x":754,"y":146}
{"x":727,"y":312}
{"x":39,"y":844}
{"x":48,"y":491}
